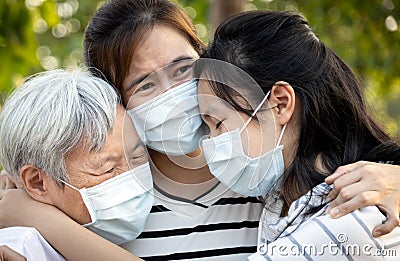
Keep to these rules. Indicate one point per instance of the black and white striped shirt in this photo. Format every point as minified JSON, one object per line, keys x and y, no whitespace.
{"x":221,"y":225}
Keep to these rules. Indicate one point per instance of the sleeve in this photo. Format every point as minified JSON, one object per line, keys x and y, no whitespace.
{"x":29,"y":243}
{"x":345,"y":238}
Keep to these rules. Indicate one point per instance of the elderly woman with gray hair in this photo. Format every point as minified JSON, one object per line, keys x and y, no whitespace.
{"x":66,"y":140}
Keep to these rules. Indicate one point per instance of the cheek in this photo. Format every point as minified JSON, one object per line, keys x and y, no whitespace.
{"x":255,"y":145}
{"x":252,"y":142}
{"x":71,"y":203}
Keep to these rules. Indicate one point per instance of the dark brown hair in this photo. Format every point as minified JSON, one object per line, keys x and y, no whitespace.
{"x":117,"y":28}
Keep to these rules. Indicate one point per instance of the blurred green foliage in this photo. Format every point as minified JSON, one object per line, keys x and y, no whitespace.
{"x":40,"y":35}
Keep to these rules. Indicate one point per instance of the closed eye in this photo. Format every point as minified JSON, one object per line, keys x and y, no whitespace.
{"x":110,"y":170}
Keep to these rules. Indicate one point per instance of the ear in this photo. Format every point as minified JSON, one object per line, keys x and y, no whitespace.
{"x":283,"y":97}
{"x":36,"y":183}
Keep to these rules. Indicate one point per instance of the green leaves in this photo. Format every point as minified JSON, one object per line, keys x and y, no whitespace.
{"x":17,"y":43}
{"x":39,"y":34}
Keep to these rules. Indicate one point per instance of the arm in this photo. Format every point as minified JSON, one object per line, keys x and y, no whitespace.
{"x":366,"y":184}
{"x":324,"y":238}
{"x":71,"y":239}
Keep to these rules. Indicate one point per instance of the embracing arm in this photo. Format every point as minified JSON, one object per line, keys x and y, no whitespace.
{"x":72,"y":240}
{"x":366,"y":184}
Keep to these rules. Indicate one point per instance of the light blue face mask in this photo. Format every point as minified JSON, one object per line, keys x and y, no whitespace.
{"x":119,"y":206}
{"x":244,"y":175}
{"x":171,"y":122}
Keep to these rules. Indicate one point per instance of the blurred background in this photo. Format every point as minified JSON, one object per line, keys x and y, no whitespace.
{"x":38,"y":35}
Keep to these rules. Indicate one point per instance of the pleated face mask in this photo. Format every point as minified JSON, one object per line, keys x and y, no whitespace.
{"x":247,"y":176}
{"x":171,"y":123}
{"x":119,"y":206}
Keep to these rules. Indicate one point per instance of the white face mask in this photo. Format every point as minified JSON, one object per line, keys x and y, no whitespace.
{"x":171,"y":123}
{"x":119,"y":206}
{"x":244,"y":175}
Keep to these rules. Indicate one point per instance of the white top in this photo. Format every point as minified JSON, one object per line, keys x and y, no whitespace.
{"x":220,"y":225}
{"x":319,"y":237}
{"x":29,"y":242}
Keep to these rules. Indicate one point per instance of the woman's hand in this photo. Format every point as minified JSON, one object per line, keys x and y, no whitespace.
{"x":7,"y":254}
{"x":366,"y":184}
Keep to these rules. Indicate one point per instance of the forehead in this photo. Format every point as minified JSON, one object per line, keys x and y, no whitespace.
{"x":162,"y":45}
{"x":204,"y":88}
{"x":209,"y":102}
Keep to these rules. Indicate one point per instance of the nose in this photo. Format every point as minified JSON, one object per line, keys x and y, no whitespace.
{"x":166,"y":82}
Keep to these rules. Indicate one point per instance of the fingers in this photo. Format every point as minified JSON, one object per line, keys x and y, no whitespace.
{"x":338,"y":209}
{"x":391,"y":223}
{"x":344,"y":194}
{"x":342,"y":170}
{"x":342,"y":182}
{"x":360,"y":177}
{"x":7,"y":254}
{"x":332,"y":195}
{"x":365,"y":184}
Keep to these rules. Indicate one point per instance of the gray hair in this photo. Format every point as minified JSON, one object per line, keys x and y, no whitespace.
{"x":51,"y":114}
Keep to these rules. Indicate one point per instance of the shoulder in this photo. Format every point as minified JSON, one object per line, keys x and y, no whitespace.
{"x":20,"y":234}
{"x":319,"y":236}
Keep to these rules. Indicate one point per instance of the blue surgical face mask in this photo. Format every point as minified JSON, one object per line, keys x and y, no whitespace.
{"x":119,"y":206}
{"x":244,"y":175}
{"x":171,"y":122}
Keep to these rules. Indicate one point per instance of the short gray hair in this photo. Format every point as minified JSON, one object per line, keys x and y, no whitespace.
{"x":52,"y":113}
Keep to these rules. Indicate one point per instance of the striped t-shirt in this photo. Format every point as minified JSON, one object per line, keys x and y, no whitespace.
{"x":221,"y":225}
{"x":319,"y":237}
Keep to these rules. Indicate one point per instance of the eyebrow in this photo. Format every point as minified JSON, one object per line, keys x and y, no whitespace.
{"x":144,"y":76}
{"x":103,"y":161}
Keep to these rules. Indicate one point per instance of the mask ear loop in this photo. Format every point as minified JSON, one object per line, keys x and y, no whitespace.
{"x":252,"y":187}
{"x":69,"y":185}
{"x":273,"y":160}
{"x":255,"y":111}
{"x":87,"y":202}
{"x":279,"y":139}
{"x":281,"y":135}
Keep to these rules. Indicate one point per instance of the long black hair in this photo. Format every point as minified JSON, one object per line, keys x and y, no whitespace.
{"x":336,"y":127}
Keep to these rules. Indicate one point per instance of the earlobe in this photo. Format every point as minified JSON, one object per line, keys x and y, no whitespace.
{"x":35,"y":182}
{"x":283,"y":97}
